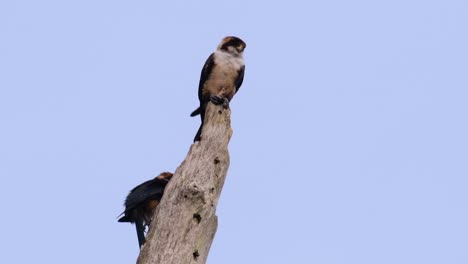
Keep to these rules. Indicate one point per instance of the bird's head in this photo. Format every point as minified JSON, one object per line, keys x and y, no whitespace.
{"x":233,"y":45}
{"x":165,"y":176}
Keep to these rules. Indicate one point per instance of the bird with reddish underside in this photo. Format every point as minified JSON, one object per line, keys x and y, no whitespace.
{"x":141,"y":203}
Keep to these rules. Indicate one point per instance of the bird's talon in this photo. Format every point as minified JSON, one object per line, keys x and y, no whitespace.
{"x":225,"y":103}
{"x":216,"y":100}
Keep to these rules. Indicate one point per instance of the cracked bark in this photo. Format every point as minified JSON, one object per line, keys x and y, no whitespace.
{"x":185,"y":221}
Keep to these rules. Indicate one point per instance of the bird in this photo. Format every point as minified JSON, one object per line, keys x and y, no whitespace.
{"x":221,"y":77}
{"x":141,"y":203}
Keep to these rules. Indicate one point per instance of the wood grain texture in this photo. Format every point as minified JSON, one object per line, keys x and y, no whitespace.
{"x":185,"y":221}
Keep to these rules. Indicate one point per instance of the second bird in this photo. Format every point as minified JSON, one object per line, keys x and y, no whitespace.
{"x":221,"y":77}
{"x":142,"y":201}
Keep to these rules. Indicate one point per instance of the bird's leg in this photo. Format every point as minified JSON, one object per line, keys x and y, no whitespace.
{"x":217,"y":100}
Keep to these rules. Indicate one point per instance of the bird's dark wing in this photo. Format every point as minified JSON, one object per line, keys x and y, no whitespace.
{"x":205,"y":75}
{"x":152,"y":189}
{"x":240,"y":78}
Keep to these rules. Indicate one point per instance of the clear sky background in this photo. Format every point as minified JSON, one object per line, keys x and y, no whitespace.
{"x":350,"y":136}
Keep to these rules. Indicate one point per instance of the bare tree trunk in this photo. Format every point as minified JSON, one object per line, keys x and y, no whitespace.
{"x":185,"y":221}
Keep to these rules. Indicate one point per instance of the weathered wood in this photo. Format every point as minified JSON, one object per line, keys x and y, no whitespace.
{"x":185,"y":221}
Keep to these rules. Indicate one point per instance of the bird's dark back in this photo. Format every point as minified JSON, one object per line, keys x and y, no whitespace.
{"x":149,"y":190}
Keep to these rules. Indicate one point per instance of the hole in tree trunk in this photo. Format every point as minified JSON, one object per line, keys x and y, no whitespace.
{"x":196,"y":254}
{"x":197,"y":217}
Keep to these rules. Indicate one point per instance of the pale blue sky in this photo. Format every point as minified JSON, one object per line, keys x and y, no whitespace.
{"x":350,"y":131}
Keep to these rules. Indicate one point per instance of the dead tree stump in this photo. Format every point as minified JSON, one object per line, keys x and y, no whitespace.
{"x":185,"y":221}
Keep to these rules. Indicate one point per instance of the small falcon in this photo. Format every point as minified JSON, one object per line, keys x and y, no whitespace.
{"x":221,"y":77}
{"x":141,"y":202}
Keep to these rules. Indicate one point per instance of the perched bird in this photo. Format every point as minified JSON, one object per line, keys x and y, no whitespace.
{"x":221,"y":77}
{"x":141,"y":202}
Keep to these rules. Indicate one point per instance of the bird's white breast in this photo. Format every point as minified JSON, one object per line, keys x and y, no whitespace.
{"x":227,"y":61}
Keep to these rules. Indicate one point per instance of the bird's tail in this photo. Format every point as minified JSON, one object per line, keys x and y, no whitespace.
{"x":196,"y":112}
{"x":198,"y":135}
{"x":140,"y":229}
